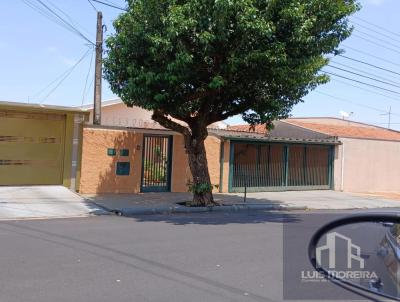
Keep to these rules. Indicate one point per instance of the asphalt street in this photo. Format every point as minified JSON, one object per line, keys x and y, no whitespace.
{"x":187,"y":257}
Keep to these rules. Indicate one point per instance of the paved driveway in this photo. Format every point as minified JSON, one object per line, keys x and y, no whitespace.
{"x":42,"y":202}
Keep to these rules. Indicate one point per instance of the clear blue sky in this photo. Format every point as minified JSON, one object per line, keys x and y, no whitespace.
{"x":34,"y":51}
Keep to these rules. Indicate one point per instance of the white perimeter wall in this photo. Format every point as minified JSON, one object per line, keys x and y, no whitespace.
{"x":369,"y":166}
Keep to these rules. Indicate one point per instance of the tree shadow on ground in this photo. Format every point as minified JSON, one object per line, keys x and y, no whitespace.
{"x":221,"y":218}
{"x":239,"y":198}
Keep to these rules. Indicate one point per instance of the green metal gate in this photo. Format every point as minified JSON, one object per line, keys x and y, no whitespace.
{"x":279,"y":167}
{"x":156,"y":163}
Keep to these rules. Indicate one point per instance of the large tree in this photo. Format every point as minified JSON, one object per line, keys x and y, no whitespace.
{"x":196,"y":62}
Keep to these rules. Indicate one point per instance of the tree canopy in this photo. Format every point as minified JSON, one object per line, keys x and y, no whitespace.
{"x":211,"y":59}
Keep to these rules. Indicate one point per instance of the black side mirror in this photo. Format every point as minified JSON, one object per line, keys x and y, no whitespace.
{"x":360,"y":252}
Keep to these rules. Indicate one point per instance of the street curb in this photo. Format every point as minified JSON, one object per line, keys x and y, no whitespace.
{"x":105,"y":211}
{"x":183,"y":209}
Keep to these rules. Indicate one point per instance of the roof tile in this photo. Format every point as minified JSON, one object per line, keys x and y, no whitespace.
{"x":351,"y":130}
{"x":249,"y":128}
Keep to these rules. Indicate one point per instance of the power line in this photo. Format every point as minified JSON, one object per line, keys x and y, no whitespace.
{"x":91,"y":4}
{"x":377,"y":38}
{"x":363,"y":83}
{"x":87,"y":77}
{"x":386,"y":123}
{"x":90,"y":86}
{"x":351,"y":102}
{"x":52,"y":82}
{"x":374,"y":31}
{"x":45,"y":13}
{"x":369,"y":64}
{"x":60,"y":79}
{"x":389,"y":114}
{"x":372,"y":56}
{"x":377,"y":26}
{"x":367,"y":77}
{"x":48,"y":12}
{"x":74,"y":29}
{"x":367,"y":90}
{"x":366,"y":72}
{"x":377,"y":44}
{"x":110,"y":5}
{"x":68,"y":17}
{"x":113,"y":3}
{"x":67,"y":75}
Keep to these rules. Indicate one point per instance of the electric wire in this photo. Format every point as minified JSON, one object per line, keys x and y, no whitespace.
{"x":364,"y":76}
{"x":374,"y":31}
{"x":48,"y":12}
{"x":364,"y":72}
{"x":361,"y":82}
{"x":366,"y":90}
{"x":354,"y":103}
{"x":377,"y":26}
{"x":87,"y":77}
{"x":60,"y":79}
{"x":369,"y":64}
{"x":371,"y":55}
{"x":110,"y":5}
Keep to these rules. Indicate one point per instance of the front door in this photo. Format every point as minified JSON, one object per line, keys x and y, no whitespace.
{"x":156,"y":163}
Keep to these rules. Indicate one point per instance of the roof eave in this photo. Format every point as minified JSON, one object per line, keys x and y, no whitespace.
{"x":40,"y":107}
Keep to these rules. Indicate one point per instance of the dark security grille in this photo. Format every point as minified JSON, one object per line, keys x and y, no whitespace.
{"x":258,"y":166}
{"x":308,"y":166}
{"x":156,"y":164}
{"x":274,"y":167}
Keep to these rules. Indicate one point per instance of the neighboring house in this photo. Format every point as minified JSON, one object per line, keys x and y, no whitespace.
{"x":115,"y":113}
{"x":368,"y":158}
{"x":40,"y":144}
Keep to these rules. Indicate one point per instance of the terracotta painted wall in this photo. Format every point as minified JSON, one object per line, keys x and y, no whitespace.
{"x":98,"y":172}
{"x":369,"y":166}
{"x":180,"y":174}
{"x":213,"y":150}
{"x":180,"y":168}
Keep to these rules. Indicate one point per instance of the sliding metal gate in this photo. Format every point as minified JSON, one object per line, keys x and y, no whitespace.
{"x":156,"y":163}
{"x":279,"y":167}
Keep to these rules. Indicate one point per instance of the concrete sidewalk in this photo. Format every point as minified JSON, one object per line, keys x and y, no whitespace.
{"x":156,"y":203}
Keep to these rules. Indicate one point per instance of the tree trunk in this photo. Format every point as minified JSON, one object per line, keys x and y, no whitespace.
{"x":194,"y":136}
{"x":201,"y":186}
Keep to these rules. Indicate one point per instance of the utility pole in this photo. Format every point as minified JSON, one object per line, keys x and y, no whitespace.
{"x":389,"y":114}
{"x":98,"y":70}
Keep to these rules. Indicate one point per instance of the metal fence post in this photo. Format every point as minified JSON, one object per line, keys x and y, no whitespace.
{"x":245,"y":186}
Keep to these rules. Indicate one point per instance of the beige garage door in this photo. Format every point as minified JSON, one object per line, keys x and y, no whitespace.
{"x":31,"y":148}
